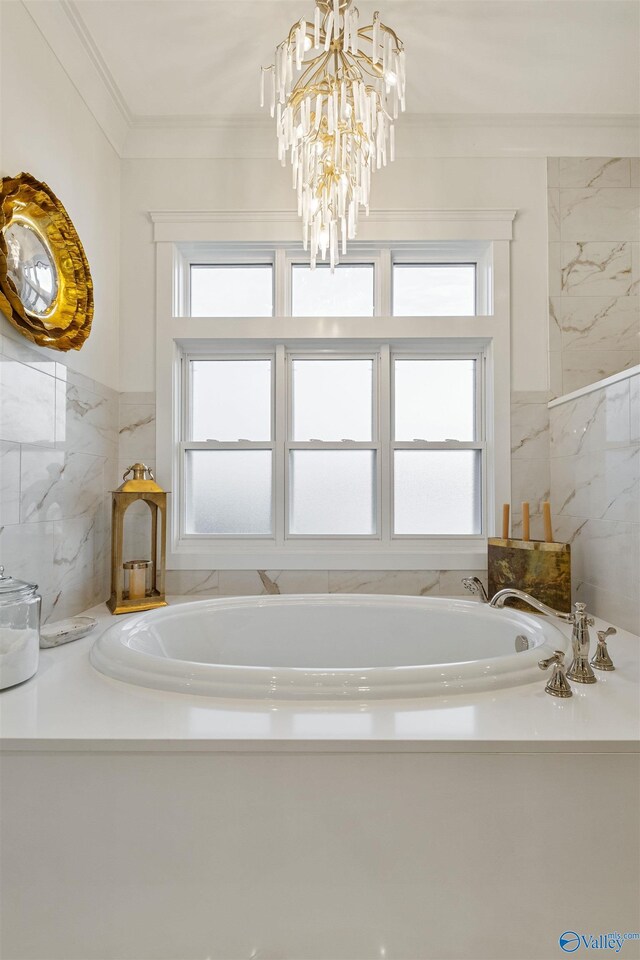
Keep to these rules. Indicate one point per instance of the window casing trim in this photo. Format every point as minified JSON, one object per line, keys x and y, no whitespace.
{"x":487,"y":331}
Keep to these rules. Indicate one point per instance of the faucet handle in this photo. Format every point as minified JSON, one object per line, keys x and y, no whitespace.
{"x":601,"y":659}
{"x":558,"y":685}
{"x":580,"y":613}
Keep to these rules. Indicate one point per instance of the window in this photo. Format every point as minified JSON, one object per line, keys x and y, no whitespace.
{"x":369,"y":443}
{"x":231,"y":290}
{"x":310,"y":420}
{"x":434,"y":289}
{"x":348,"y":292}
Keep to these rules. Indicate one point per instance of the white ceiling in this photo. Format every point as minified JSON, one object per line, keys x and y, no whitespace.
{"x":201,"y":58}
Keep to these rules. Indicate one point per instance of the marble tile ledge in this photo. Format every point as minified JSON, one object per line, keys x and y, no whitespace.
{"x":598,"y":385}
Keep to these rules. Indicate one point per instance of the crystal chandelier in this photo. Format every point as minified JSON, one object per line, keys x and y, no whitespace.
{"x":335,"y":89}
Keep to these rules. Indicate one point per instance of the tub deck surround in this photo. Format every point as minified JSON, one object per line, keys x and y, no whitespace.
{"x":69,"y":706}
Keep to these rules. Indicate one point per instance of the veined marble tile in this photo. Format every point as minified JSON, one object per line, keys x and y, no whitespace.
{"x":26,"y":552}
{"x":553,"y":211}
{"x":73,"y":551}
{"x":594,"y":269}
{"x":27,"y":403}
{"x":529,"y":481}
{"x":607,"y":554}
{"x":555,"y":276}
{"x":197,"y":583}
{"x":529,"y":431}
{"x":91,"y":423}
{"x":9,"y":482}
{"x":553,"y":173}
{"x":555,"y":373}
{"x":22,"y":350}
{"x":138,"y":396}
{"x":635,"y":172}
{"x":529,"y":396}
{"x":555,"y":313}
{"x":582,"y":367}
{"x":598,"y":484}
{"x":634,"y":288}
{"x":410,"y":583}
{"x":589,"y":172}
{"x":602,"y":214}
{"x":634,"y":408}
{"x":137,"y":432}
{"x":57,"y":485}
{"x":595,"y":421}
{"x":615,"y":607}
{"x":75,"y":596}
{"x":86,"y":384}
{"x":237,"y":583}
{"x":451,"y":581}
{"x":608,"y":323}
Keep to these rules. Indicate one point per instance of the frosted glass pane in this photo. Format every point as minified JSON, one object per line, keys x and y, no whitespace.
{"x":232,"y":291}
{"x":434,"y":290}
{"x":435,"y":400}
{"x":347,"y":292}
{"x":332,"y":492}
{"x":437,"y":492}
{"x":230,"y":400}
{"x":332,"y":399}
{"x":228,"y":491}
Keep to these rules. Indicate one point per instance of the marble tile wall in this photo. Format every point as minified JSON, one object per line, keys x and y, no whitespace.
{"x":595,"y":496}
{"x":529,"y":458}
{"x":594,"y":269}
{"x":58,"y":462}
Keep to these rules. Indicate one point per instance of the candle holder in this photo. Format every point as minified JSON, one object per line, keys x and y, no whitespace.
{"x":138,"y":584}
{"x":541,"y":569}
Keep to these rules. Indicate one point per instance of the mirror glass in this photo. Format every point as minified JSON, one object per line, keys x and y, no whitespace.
{"x":31,"y":268}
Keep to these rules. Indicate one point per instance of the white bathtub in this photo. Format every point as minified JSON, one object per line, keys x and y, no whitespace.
{"x":327,"y":647}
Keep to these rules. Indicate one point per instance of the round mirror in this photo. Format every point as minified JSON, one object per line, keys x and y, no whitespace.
{"x":31,"y":268}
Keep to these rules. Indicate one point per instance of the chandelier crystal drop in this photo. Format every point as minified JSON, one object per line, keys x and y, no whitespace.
{"x":335,"y":89}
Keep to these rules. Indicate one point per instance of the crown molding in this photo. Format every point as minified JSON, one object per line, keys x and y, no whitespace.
{"x":407,"y":120}
{"x":80,"y":28}
{"x":59,"y":24}
{"x":185,"y":226}
{"x":250,"y":136}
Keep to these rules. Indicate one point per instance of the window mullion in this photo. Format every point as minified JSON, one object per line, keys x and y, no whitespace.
{"x":281,"y":467}
{"x":282,"y":284}
{"x":385,"y":485}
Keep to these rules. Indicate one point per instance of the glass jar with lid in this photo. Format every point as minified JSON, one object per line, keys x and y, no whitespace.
{"x":19,"y":630}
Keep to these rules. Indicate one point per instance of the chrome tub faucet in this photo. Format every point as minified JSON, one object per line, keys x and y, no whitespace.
{"x":580,"y":668}
{"x":475,"y":585}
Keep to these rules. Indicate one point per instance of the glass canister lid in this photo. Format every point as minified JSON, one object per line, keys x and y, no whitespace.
{"x":12,"y":589}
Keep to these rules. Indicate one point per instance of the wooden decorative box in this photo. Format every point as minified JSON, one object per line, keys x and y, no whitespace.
{"x":535,"y":566}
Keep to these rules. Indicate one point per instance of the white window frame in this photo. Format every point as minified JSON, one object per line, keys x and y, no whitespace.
{"x":180,"y":236}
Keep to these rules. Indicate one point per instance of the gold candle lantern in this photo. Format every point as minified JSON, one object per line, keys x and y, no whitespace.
{"x":143,"y":592}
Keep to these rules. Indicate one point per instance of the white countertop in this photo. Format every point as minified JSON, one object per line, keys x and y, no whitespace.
{"x":70,"y":706}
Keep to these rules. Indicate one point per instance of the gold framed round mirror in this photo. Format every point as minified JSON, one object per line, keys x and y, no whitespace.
{"x":46,"y":290}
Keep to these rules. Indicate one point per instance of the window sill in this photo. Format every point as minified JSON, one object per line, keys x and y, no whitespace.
{"x":434,"y":555}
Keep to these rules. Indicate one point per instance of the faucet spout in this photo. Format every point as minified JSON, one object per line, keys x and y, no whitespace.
{"x":499,"y":599}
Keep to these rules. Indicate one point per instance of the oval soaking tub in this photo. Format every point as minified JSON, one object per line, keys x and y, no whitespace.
{"x":327,"y":647}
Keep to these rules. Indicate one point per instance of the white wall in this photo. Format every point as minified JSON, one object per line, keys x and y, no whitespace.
{"x":243,"y":184}
{"x":48,"y":131}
